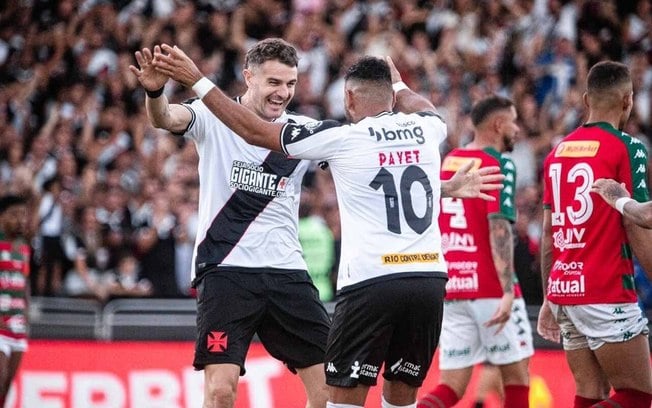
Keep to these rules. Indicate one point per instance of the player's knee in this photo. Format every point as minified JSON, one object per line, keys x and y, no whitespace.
{"x":220,"y":395}
{"x":318,"y":396}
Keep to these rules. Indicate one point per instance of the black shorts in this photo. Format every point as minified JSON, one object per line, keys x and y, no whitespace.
{"x":282,"y":307}
{"x":396,"y":322}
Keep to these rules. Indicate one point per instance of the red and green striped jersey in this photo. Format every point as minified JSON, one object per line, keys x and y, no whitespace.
{"x":14,"y":272}
{"x":591,"y":256}
{"x":465,"y":228}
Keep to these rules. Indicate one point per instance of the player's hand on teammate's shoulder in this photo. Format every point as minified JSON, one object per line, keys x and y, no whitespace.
{"x":610,"y":190}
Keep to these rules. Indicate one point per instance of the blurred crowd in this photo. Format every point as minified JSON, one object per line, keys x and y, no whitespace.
{"x":114,"y":200}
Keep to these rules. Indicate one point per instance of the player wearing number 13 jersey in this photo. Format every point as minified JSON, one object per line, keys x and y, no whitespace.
{"x":586,"y":257}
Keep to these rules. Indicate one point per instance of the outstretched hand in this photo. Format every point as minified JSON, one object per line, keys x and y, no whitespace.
{"x":473,"y":184}
{"x":173,"y":62}
{"x":147,"y":75}
{"x":610,"y":190}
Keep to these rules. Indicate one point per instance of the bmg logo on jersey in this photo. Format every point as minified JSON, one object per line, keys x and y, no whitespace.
{"x":253,"y":178}
{"x":398,"y":134}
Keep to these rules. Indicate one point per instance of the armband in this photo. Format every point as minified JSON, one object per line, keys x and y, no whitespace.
{"x":156,"y":93}
{"x":620,"y":203}
{"x":202,"y":87}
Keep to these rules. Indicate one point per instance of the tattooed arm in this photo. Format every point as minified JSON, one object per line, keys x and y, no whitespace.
{"x":502,"y":249}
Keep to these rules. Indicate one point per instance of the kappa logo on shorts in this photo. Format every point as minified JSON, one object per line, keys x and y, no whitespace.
{"x":331,"y":368}
{"x":217,"y":342}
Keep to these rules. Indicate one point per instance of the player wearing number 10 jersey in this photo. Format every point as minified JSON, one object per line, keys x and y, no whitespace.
{"x":586,"y":257}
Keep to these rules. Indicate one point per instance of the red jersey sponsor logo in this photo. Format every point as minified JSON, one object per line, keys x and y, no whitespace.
{"x":578,"y":148}
{"x":217,"y":342}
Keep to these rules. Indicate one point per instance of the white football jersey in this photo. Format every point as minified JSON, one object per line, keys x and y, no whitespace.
{"x":248,"y":198}
{"x":386,"y":173}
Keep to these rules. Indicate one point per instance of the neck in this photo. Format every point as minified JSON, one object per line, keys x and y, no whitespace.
{"x":482,"y":141}
{"x":613,"y":118}
{"x":371,"y":111}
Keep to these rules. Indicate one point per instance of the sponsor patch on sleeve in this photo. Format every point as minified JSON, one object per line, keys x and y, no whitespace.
{"x":397,"y":259}
{"x":578,"y":148}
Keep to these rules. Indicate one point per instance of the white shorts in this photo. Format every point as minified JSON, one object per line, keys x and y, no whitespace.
{"x":9,"y":345}
{"x":465,"y":341}
{"x":592,"y":326}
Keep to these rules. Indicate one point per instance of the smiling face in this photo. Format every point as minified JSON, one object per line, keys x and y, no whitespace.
{"x":270,"y":88}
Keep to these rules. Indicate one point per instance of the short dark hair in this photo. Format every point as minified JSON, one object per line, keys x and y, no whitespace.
{"x":485,"y":107}
{"x":271,"y":49}
{"x":606,"y":75}
{"x":11,"y":200}
{"x":370,"y":69}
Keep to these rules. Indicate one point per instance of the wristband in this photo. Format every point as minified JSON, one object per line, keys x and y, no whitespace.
{"x":156,"y":93}
{"x":620,"y":203}
{"x":398,"y":86}
{"x":202,"y":87}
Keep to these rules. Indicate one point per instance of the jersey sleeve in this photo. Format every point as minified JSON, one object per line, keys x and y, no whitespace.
{"x":313,"y":141}
{"x":197,"y":126}
{"x":547,"y":194}
{"x":637,"y":169}
{"x":439,"y":124}
{"x":504,"y":206}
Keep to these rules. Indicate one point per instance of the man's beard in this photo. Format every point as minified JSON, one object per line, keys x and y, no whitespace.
{"x":508,"y":143}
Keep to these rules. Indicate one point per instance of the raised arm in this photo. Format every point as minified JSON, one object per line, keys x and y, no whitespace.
{"x":161,"y":113}
{"x":173,"y":62}
{"x":407,"y":101}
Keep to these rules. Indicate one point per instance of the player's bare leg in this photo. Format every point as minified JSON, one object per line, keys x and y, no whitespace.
{"x":398,"y":393}
{"x":314,"y":383}
{"x":590,"y":381}
{"x":220,"y":385}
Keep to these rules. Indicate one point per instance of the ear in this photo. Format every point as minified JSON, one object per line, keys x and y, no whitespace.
{"x":585,"y":100}
{"x":247,"y":75}
{"x":497,"y":122}
{"x":628,"y":101}
{"x":349,"y":100}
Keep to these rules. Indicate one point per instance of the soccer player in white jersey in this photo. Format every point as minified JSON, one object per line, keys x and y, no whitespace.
{"x":386,"y":171}
{"x":248,"y":269}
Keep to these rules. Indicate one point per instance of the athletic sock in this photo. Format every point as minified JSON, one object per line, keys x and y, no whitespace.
{"x":334,"y":405}
{"x":442,"y":395}
{"x":385,"y":404}
{"x":517,"y":396}
{"x":582,"y":402}
{"x":627,"y":397}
